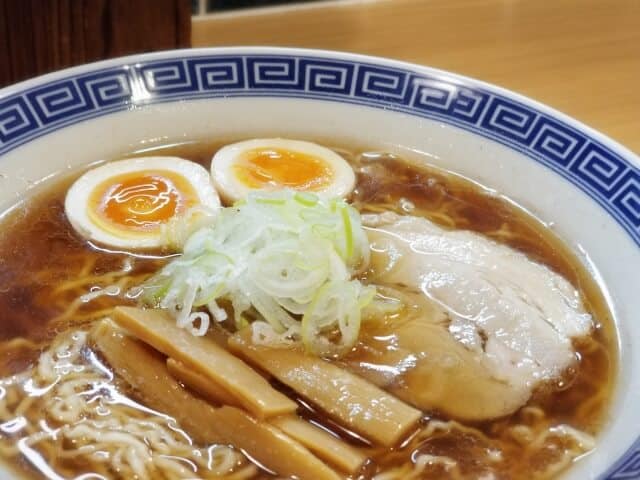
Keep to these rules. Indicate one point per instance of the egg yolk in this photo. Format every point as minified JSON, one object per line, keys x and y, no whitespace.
{"x":141,"y":201}
{"x":279,"y":168}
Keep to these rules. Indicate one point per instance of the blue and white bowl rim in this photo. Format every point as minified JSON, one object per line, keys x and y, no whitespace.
{"x":603,"y":169}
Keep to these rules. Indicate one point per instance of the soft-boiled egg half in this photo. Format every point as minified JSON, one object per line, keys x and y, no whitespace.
{"x":128,"y":203}
{"x":277,"y":163}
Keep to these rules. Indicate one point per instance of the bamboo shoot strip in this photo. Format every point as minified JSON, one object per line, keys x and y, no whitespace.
{"x":271,"y":447}
{"x":201,"y":384}
{"x":145,"y":370}
{"x":352,"y":401}
{"x":205,"y":356}
{"x":320,"y":442}
{"x":323,"y":444}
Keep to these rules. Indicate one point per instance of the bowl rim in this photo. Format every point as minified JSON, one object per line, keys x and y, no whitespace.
{"x":135,"y":58}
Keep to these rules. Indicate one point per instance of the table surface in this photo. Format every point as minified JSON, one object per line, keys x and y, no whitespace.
{"x":581,"y":57}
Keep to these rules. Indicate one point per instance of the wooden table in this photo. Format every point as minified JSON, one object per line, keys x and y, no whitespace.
{"x":579,"y":56}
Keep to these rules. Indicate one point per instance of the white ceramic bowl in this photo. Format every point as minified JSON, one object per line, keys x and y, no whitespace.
{"x":584,"y":184}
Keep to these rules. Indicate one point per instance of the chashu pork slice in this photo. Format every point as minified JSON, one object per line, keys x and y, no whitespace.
{"x":496,"y":325}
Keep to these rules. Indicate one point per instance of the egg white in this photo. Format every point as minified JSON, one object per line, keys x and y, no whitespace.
{"x":232,"y":189}
{"x":77,"y":201}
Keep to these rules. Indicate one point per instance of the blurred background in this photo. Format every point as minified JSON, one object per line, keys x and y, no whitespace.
{"x":579,"y":56}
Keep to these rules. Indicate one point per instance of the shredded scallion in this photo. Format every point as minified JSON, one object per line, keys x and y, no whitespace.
{"x":285,"y":261}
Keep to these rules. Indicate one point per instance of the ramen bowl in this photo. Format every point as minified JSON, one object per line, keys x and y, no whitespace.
{"x":584,"y":186}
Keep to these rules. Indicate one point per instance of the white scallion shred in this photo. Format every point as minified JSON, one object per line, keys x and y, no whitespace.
{"x":285,"y":261}
{"x":179,"y":228}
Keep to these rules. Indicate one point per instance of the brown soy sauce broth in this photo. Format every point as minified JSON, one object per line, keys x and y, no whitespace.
{"x":39,"y":249}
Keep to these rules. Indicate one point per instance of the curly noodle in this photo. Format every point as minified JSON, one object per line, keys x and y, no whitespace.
{"x":67,"y":413}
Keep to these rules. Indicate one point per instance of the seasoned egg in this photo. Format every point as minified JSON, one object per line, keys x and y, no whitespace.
{"x":129,"y":203}
{"x":277,"y":163}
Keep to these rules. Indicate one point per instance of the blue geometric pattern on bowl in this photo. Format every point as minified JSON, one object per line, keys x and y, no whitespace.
{"x":608,"y":178}
{"x":627,"y":467}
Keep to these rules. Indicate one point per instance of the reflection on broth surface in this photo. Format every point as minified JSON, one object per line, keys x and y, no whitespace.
{"x":67,"y":409}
